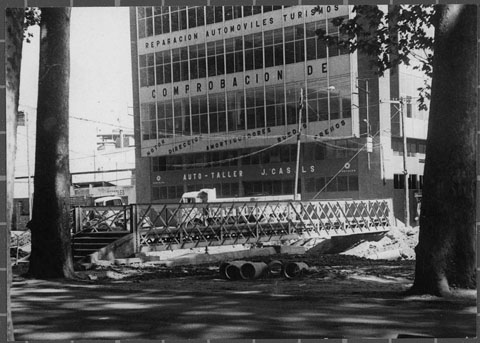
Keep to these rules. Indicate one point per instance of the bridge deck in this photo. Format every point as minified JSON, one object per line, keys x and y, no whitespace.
{"x":176,"y":226}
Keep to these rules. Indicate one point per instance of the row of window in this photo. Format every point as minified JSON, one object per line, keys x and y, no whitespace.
{"x":165,"y":19}
{"x":414,"y":147}
{"x":244,"y":110}
{"x":261,"y":188}
{"x":348,"y":183}
{"x":414,"y":181}
{"x":168,"y":192}
{"x":310,"y":152}
{"x":277,"y":47}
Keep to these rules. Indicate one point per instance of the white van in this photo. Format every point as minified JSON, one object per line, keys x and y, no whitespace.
{"x":108,"y":201}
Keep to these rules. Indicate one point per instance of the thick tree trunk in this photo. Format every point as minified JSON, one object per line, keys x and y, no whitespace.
{"x":446,"y":249}
{"x":14,"y":42}
{"x":51,"y":255}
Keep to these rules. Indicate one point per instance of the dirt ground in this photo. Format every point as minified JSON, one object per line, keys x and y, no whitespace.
{"x":341,"y":296}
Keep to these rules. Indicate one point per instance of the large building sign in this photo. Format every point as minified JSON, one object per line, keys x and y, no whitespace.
{"x":339,"y":128}
{"x":241,"y":26}
{"x":236,"y":174}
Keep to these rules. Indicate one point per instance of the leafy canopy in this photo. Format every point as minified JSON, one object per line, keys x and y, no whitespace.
{"x":402,"y":35}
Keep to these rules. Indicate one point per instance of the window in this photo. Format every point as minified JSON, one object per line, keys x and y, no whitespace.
{"x":147,"y":70}
{"x":255,"y":108}
{"x":342,"y":183}
{"x":236,"y":111}
{"x":181,"y":110}
{"x":199,"y":115}
{"x":148,"y":118}
{"x":398,"y":181}
{"x":145,"y":22}
{"x":217,"y":120}
{"x":409,"y":106}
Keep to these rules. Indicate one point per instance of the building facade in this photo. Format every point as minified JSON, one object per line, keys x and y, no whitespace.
{"x":221,"y":93}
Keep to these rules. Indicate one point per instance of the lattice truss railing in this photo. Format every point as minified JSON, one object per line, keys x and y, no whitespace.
{"x":181,"y":225}
{"x":101,"y":219}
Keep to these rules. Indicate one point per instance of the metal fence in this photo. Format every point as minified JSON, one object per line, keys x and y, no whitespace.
{"x":177,"y":225}
{"x":90,"y":219}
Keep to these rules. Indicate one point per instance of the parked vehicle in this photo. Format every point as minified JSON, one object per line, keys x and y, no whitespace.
{"x":249,"y":209}
{"x":107,"y":214}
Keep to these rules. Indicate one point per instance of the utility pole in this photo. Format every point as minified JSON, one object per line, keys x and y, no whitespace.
{"x":400,"y":110}
{"x":297,"y":167}
{"x":405,"y":170}
{"x":30,"y":202}
{"x":369,"y":138}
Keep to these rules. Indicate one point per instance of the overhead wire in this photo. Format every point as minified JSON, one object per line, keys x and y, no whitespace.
{"x":350,"y":160}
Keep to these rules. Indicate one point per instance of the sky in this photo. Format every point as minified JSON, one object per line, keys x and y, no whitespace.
{"x":100,"y":81}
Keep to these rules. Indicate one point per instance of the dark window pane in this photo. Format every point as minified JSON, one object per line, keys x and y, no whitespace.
{"x":200,"y":16}
{"x":238,"y":62}
{"x":278,"y":54}
{"x":260,"y":117}
{"x":175,"y":21}
{"x":249,"y":63}
{"x":160,"y":75}
{"x":193,"y":69}
{"x":183,"y":19}
{"x":220,"y":65}
{"x":211,"y":66}
{"x":237,"y":12}
{"x":299,"y":51}
{"x":192,"y":18}
{"x":165,"y":23}
{"x":149,"y":24}
{"x":258,"y":58}
{"x":289,"y":53}
{"x":141,"y":28}
{"x":202,"y":68}
{"x":230,"y":63}
{"x":218,"y":14}
{"x":167,"y":74}
{"x":353,"y":183}
{"x":228,"y":12}
{"x":342,"y":183}
{"x":210,"y":15}
{"x":321,"y":49}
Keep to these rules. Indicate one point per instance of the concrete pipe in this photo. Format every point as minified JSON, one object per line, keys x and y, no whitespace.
{"x":294,"y":269}
{"x":232,"y":271}
{"x":275,"y":268}
{"x":222,"y":269}
{"x":253,"y":270}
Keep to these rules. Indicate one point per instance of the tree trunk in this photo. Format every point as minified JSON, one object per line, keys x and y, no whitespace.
{"x":51,"y":255}
{"x":14,"y":42}
{"x":446,"y":249}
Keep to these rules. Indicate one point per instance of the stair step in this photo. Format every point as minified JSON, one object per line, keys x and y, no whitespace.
{"x":84,"y":244}
{"x":95,"y":240}
{"x":101,"y":234}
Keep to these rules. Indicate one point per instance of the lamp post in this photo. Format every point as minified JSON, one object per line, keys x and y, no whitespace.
{"x":297,"y":166}
{"x":400,"y":110}
{"x":369,"y":142}
{"x":405,"y":170}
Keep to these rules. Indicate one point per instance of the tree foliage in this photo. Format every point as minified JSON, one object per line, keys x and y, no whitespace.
{"x":33,"y":16}
{"x":401,"y":35}
{"x":445,"y":254}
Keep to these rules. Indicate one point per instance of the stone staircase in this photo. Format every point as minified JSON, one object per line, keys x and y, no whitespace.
{"x":87,"y":243}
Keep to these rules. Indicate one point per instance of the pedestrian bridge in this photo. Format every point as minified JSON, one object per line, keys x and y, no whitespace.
{"x":173,"y":226}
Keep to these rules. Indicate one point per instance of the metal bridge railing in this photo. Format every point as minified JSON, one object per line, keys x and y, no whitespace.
{"x":174,"y":226}
{"x":96,"y":219}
